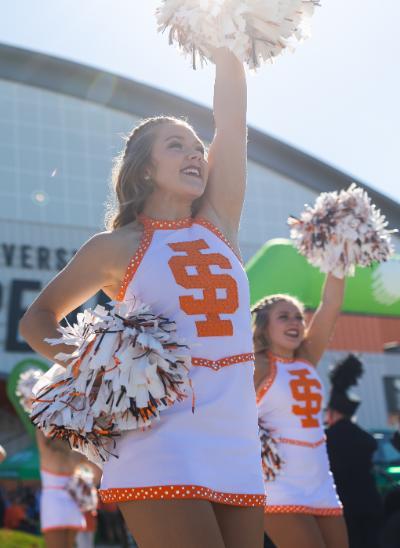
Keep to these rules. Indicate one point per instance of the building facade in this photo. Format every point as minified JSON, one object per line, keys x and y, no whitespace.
{"x":61,"y":124}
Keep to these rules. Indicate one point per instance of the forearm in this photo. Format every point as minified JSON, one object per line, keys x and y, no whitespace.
{"x":37,"y":325}
{"x":230,"y":91}
{"x":333,"y":292}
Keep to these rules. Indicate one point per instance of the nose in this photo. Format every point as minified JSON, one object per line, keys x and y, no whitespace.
{"x":194,"y":154}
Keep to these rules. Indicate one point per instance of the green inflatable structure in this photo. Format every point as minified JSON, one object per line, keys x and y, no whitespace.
{"x":23,"y":465}
{"x":278,"y":268}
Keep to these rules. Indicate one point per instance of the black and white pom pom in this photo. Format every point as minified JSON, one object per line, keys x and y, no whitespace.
{"x":271,"y":461}
{"x":25,"y":384}
{"x":341,"y":231}
{"x":127,"y":367}
{"x":256,"y":31}
{"x":82,"y":490}
{"x":386,"y":282}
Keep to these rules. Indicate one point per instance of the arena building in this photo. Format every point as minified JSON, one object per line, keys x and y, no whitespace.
{"x":60,"y":127}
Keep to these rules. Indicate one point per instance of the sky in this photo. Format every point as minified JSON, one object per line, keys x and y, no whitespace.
{"x":337,"y":97}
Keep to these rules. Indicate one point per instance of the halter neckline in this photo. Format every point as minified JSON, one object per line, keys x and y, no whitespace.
{"x":277,"y":358}
{"x":164,"y":223}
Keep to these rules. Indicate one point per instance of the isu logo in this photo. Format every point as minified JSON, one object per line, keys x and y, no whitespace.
{"x":200,"y":276}
{"x":307,"y":391}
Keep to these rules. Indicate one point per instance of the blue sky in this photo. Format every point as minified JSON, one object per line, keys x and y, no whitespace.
{"x":336,"y":97}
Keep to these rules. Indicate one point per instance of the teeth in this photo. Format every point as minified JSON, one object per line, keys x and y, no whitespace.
{"x":192,"y":171}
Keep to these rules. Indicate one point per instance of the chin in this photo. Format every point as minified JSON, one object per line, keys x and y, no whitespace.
{"x":291,"y":345}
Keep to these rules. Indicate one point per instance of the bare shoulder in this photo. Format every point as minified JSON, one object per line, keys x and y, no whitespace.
{"x":117,"y":247}
{"x":113,"y":241}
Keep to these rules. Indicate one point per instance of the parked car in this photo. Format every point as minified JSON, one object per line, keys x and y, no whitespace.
{"x":386,"y":462}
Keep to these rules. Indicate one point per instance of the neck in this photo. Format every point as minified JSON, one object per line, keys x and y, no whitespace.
{"x":167,"y":207}
{"x":281,"y":352}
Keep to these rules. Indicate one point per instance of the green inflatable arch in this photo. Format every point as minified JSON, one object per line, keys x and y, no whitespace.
{"x":278,"y":268}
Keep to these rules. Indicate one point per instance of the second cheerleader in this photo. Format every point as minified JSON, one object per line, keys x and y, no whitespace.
{"x":302,"y":508}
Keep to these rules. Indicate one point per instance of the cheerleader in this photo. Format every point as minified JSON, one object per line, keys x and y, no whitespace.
{"x":194,"y":479}
{"x":302,"y":507}
{"x":60,"y":516}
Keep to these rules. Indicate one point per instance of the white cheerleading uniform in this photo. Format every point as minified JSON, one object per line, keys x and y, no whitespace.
{"x":186,"y":271}
{"x":58,"y":510}
{"x":290,"y":410}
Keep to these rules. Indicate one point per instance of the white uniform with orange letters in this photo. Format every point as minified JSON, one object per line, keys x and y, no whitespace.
{"x":186,"y":271}
{"x":58,"y":510}
{"x":290,"y":409}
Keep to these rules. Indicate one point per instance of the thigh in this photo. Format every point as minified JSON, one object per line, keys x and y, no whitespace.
{"x":289,"y":530}
{"x":334,"y":531}
{"x":240,"y":526}
{"x":172,"y":523}
{"x":61,"y":538}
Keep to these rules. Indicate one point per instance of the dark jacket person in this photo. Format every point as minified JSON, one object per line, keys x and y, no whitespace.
{"x":350,"y":450}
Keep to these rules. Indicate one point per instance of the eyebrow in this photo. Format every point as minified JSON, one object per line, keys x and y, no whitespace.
{"x":182,"y":139}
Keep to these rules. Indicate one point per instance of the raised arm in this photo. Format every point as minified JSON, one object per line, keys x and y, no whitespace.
{"x":323,"y":322}
{"x":227,"y":155}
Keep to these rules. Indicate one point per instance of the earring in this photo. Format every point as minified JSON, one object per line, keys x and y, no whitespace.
{"x":147,"y":177}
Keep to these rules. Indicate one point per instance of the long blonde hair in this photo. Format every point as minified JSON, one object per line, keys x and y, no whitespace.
{"x":130,"y":185}
{"x":261,"y":314}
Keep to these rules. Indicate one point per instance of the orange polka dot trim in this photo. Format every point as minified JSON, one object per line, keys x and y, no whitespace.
{"x":134,"y":263}
{"x":301,"y":443}
{"x":168,"y":492}
{"x":224,"y":362}
{"x":274,"y":358}
{"x":298,"y":509}
{"x":265,"y":386}
{"x":155,"y":224}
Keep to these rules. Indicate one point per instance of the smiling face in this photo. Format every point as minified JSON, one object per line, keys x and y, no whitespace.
{"x":285,"y":329}
{"x":179,"y":166}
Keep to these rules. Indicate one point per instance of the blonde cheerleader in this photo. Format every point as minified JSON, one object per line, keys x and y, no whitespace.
{"x":302,"y":507}
{"x":341,"y":231}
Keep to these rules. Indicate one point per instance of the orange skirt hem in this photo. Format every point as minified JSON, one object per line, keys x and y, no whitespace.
{"x":179,"y":492}
{"x":298,"y":509}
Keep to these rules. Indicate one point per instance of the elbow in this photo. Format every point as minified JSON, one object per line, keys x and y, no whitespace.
{"x":25,"y":323}
{"x":23,"y":326}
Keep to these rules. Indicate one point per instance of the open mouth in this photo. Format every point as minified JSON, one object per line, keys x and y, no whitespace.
{"x":292,"y":333}
{"x":192,"y":170}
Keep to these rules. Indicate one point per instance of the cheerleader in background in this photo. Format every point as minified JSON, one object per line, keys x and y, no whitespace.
{"x":60,"y":516}
{"x":61,"y":511}
{"x":303,"y":508}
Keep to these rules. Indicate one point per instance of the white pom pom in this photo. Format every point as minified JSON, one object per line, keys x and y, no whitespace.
{"x":82,"y":490}
{"x":126,"y":369}
{"x":256,"y":31}
{"x":25,"y":384}
{"x":386,"y":282}
{"x":341,"y":231}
